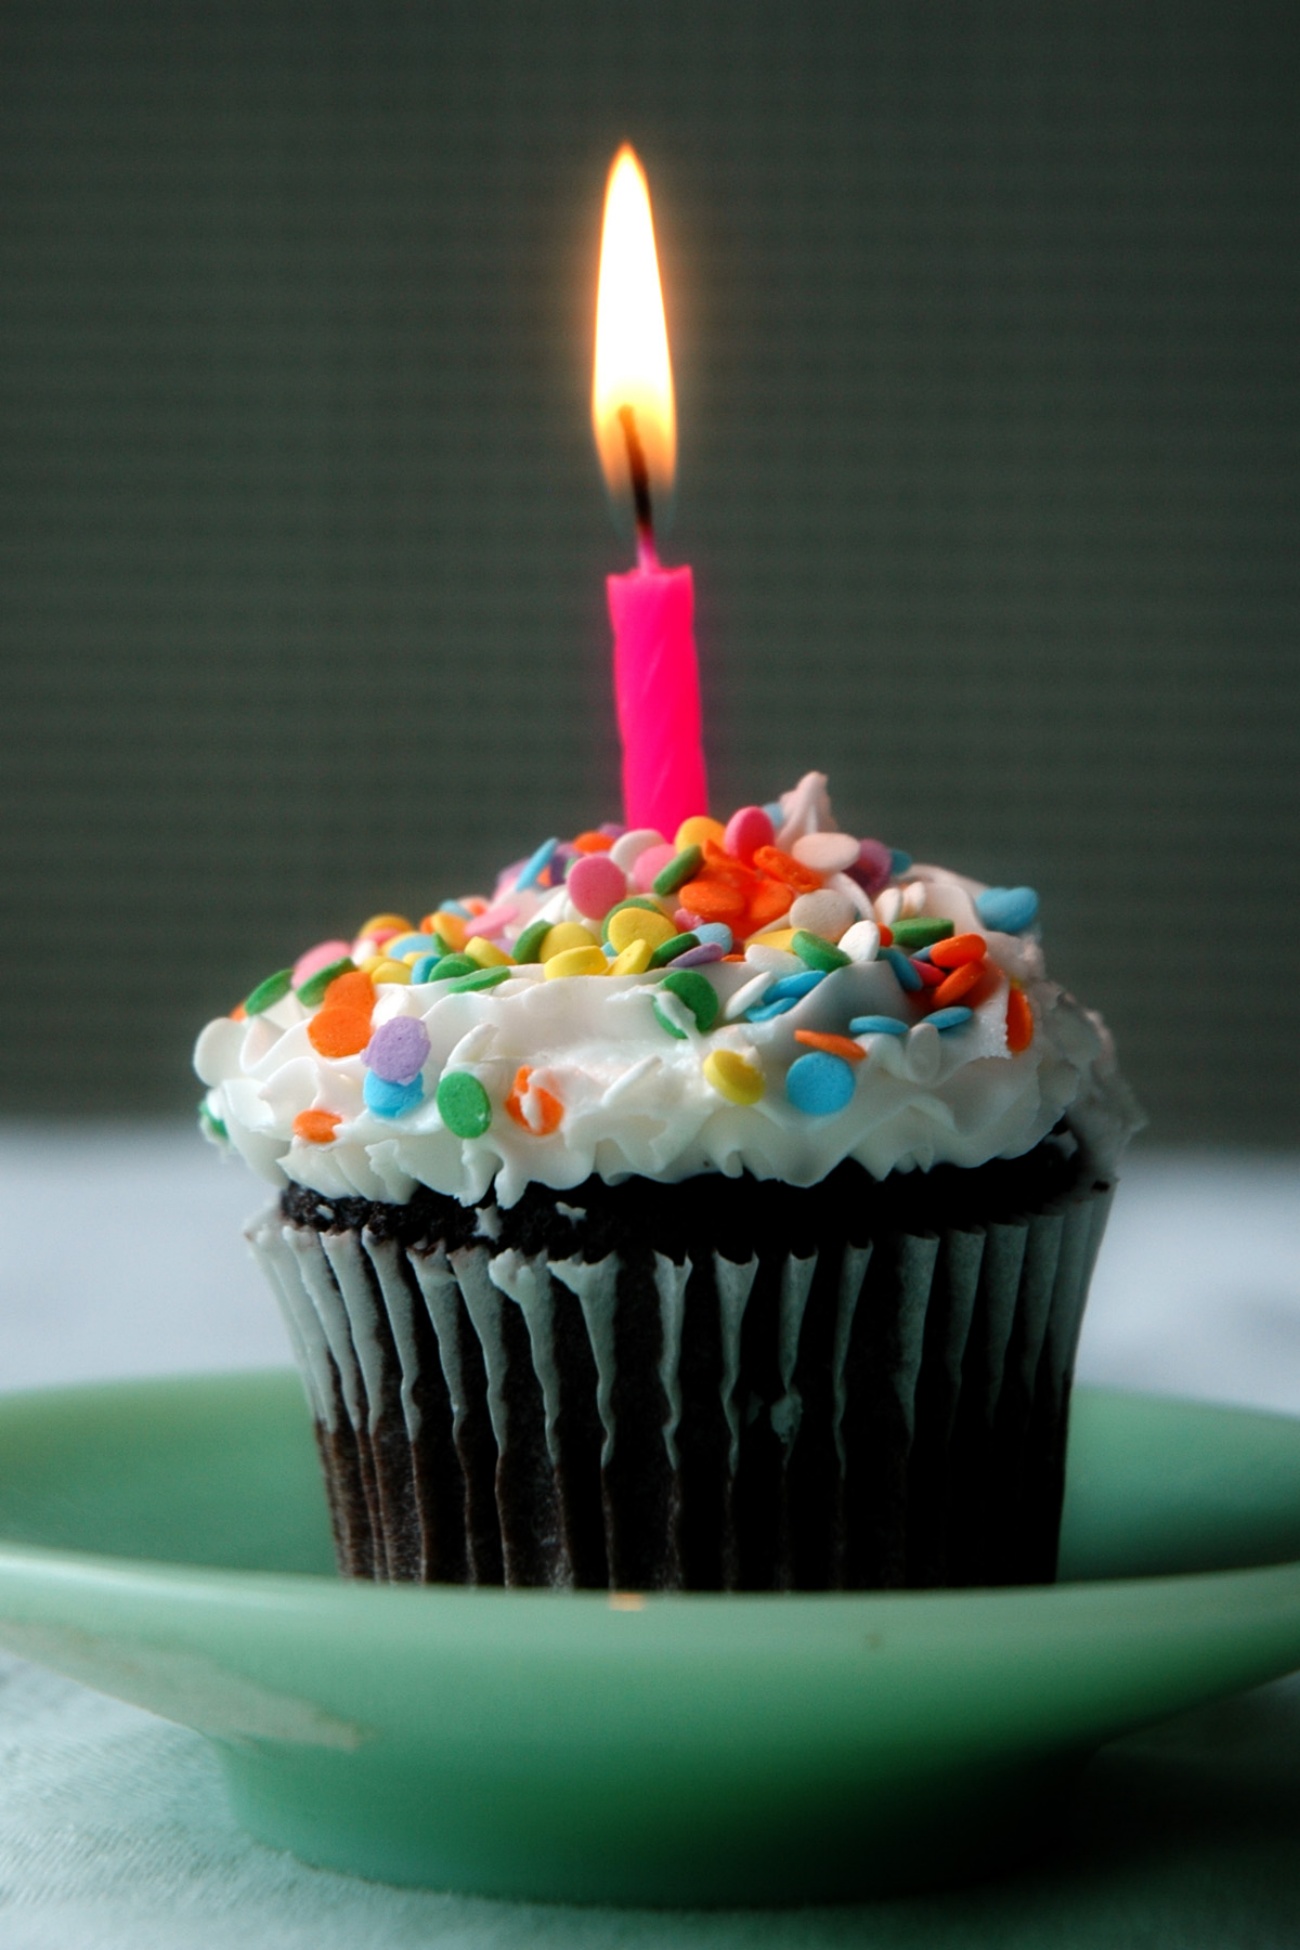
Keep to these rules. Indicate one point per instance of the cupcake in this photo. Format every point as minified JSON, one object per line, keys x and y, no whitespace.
{"x":711,"y":1211}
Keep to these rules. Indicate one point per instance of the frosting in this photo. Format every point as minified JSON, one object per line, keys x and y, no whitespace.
{"x":878,"y":1017}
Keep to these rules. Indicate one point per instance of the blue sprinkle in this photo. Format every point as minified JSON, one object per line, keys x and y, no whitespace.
{"x":820,"y":1084}
{"x":766,"y":1010}
{"x":775,"y":814}
{"x":1008,"y":910}
{"x":903,"y":969}
{"x":877,"y":1026}
{"x":795,"y":986}
{"x":920,"y":954}
{"x":611,"y":952}
{"x":535,"y":866}
{"x":716,"y":931}
{"x":391,"y":1099}
{"x":421,"y":970}
{"x":454,"y":907}
{"x":899,"y":863}
{"x":951,"y":1018}
{"x":406,"y":944}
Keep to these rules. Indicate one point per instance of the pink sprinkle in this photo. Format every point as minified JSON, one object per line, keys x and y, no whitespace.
{"x":594,"y":884}
{"x":747,"y":830}
{"x":496,"y":918}
{"x":686,"y":921}
{"x":648,"y":864}
{"x":317,"y":958}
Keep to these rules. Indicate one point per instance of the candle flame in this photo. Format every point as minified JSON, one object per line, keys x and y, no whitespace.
{"x":632,"y":369}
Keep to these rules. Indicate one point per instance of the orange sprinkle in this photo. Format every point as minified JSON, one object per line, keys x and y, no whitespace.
{"x":316,"y":1126}
{"x":351,"y":990}
{"x":239,"y":1013}
{"x":548,"y":1111}
{"x":451,"y":927}
{"x":957,"y":986}
{"x":958,"y":949}
{"x":339,"y":1032}
{"x":713,"y":899}
{"x":783,"y":866}
{"x":767,"y":903}
{"x":593,"y":843}
{"x":886,"y":935}
{"x":1020,"y":1020}
{"x":833,"y":1045}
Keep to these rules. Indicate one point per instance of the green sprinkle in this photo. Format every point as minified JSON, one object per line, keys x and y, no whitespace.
{"x":919,"y":931}
{"x":699,"y":995}
{"x":451,"y":965}
{"x":815,"y":951}
{"x":633,"y":900}
{"x":463,"y":1104}
{"x":440,"y":944}
{"x":313,"y":989}
{"x":486,"y":978}
{"x":269,"y":992}
{"x":529,"y":945}
{"x":676,"y":944}
{"x":212,"y":1124}
{"x":682,"y":867}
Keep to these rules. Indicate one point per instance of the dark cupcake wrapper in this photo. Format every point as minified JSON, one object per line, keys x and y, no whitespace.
{"x":884,"y":1406}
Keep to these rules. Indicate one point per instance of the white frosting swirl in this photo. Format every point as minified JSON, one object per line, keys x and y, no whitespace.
{"x":636,"y":1100}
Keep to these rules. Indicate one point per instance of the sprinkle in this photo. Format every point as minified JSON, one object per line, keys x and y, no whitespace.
{"x":593,"y":842}
{"x":1020,"y":1020}
{"x":699,"y":830}
{"x":313,"y":989}
{"x":772,"y":959}
{"x":826,"y":852}
{"x":316,"y":1126}
{"x":497,"y":918}
{"x":529,"y":945}
{"x":832,"y":1045}
{"x":449,"y":965}
{"x":212,"y":1124}
{"x":959,"y":983}
{"x":397,"y":1050}
{"x":676,"y":944}
{"x":399,"y":946}
{"x":877,"y":1026}
{"x":861,"y":942}
{"x":482,"y":978}
{"x":698,"y":957}
{"x":463,"y":1104}
{"x":946,"y":1019}
{"x":649,"y":864}
{"x":343,"y":1026}
{"x":423,"y":967}
{"x":899,"y":862}
{"x":825,"y":912}
{"x":820,"y":1084}
{"x":380,"y":926}
{"x":632,"y":960}
{"x":391,"y":1099}
{"x":682,"y":867}
{"x":816,"y":951}
{"x":748,"y":996}
{"x":931,"y":977}
{"x":530,"y":875}
{"x":960,"y":948}
{"x":714,"y":898}
{"x":921,"y":931}
{"x":716,"y":931}
{"x":1010,"y":910}
{"x":873,"y":868}
{"x":638,"y":921}
{"x":888,"y":905}
{"x":733,"y":1076}
{"x":767,"y":1010}
{"x":595,"y":884}
{"x":770,"y":860}
{"x":486,"y":953}
{"x":384,"y":970}
{"x":795,"y":986}
{"x":459,"y":908}
{"x":325,"y":954}
{"x":746,"y":831}
{"x":537,"y":1110}
{"x":448,"y":927}
{"x":698,"y":995}
{"x":628,"y":847}
{"x":564,"y":935}
{"x":269,"y":992}
{"x":575,"y":961}
{"x":769,"y":902}
{"x":687,"y":923}
{"x":908,"y":975}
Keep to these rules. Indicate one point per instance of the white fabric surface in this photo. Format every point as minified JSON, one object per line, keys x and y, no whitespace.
{"x":120,"y":1254}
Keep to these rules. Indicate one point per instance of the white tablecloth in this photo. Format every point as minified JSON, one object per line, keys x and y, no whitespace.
{"x":120,"y":1254}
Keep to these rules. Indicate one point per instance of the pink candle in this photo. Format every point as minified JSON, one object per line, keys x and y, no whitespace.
{"x":656,"y":677}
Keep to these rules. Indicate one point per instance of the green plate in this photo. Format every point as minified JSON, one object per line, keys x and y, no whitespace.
{"x":167,"y":1543}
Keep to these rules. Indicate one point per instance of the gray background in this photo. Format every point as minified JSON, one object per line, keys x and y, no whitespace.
{"x":984,"y":326}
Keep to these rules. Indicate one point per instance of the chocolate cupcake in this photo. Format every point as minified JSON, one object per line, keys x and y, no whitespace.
{"x":706,"y":1213}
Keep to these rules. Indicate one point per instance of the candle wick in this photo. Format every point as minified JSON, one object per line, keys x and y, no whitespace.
{"x":646,"y":552}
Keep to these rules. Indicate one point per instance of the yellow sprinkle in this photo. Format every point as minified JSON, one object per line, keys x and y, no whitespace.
{"x":378,"y":921}
{"x":695,"y":831}
{"x":575,"y":961}
{"x":733,"y":1076}
{"x":452,"y":928}
{"x":486,"y":953}
{"x":780,"y":938}
{"x":631,"y":924}
{"x":383,"y":970}
{"x":632,"y":960}
{"x":565,"y":935}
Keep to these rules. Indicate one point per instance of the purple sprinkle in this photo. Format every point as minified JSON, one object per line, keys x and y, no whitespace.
{"x":397,"y":1050}
{"x":612,"y":827}
{"x":874,"y":867}
{"x":697,"y":957}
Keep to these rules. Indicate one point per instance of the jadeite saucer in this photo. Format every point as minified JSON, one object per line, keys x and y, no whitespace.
{"x":167,"y":1543}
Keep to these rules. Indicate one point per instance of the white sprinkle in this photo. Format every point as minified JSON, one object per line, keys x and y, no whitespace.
{"x":826,"y":852}
{"x":861,"y":942}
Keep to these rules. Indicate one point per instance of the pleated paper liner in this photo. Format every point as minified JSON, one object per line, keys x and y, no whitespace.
{"x":721,"y":1385}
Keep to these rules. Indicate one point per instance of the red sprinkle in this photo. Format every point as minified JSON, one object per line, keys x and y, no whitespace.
{"x":957,"y":986}
{"x":1020,"y":1020}
{"x":783,"y":866}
